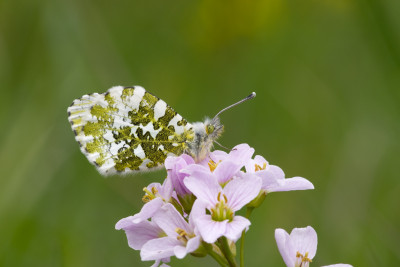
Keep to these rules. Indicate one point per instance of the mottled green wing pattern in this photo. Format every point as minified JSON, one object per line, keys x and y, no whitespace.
{"x":127,"y":129}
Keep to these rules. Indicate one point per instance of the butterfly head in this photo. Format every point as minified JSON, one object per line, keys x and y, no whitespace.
{"x":207,"y":132}
{"x":213,"y":128}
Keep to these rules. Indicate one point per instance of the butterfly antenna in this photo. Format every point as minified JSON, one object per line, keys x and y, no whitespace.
{"x":251,"y":96}
{"x":221,"y":145}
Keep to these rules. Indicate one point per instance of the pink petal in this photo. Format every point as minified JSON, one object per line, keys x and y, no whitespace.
{"x":166,"y":189}
{"x":190,"y":169}
{"x":174,"y":165}
{"x":276,"y":171}
{"x":148,"y":210}
{"x":218,"y":155}
{"x":251,"y":164}
{"x":290,"y":184}
{"x":189,"y":160}
{"x":138,"y":233}
{"x":198,"y":209}
{"x":210,"y":230}
{"x":169,"y":219}
{"x":192,"y":245}
{"x":338,"y":265}
{"x":159,"y":248}
{"x":180,"y":252}
{"x":226,"y":170}
{"x":236,"y":159}
{"x":241,"y":191}
{"x":157,"y":263}
{"x":270,"y":176}
{"x":241,"y":153}
{"x":284,"y":247}
{"x":204,"y":186}
{"x":260,"y":160}
{"x":235,"y":227}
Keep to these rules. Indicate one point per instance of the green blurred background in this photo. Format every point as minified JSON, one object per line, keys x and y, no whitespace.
{"x":327,"y":77}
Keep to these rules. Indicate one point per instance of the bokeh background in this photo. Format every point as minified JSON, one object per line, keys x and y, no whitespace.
{"x":327,"y":77}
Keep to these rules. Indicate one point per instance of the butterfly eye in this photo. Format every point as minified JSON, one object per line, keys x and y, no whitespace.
{"x":209,"y":129}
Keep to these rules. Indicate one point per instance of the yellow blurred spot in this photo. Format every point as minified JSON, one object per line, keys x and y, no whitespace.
{"x":218,"y":23}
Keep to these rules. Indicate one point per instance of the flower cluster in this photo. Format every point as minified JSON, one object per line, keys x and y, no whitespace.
{"x":194,"y":211}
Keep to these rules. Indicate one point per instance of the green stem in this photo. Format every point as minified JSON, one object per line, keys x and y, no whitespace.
{"x":226,"y":250}
{"x":248,"y":213}
{"x":217,"y":257}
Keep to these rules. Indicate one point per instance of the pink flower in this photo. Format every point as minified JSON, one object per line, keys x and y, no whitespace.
{"x":273,"y":178}
{"x":138,"y":234}
{"x":156,"y":196}
{"x":222,"y":204}
{"x":223,"y":166}
{"x":299,"y":248}
{"x":174,"y":165}
{"x":179,"y":239}
{"x":167,"y":234}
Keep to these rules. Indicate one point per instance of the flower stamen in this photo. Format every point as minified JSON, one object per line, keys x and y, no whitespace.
{"x":183,"y":235}
{"x":213,"y":165}
{"x":149,"y":195}
{"x":302,"y":261}
{"x":221,"y":211}
{"x":259,"y":168}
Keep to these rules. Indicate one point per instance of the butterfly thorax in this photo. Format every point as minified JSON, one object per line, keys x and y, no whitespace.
{"x":205,"y":133}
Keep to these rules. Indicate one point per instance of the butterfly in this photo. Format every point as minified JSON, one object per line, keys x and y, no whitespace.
{"x":128,"y":129}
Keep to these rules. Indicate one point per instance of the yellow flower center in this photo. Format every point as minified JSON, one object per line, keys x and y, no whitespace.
{"x":221,"y":211}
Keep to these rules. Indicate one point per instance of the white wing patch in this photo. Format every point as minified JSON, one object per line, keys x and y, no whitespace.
{"x":127,"y":129}
{"x":159,"y":109}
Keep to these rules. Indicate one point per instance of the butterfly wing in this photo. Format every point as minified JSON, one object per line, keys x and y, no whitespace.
{"x":127,"y":129}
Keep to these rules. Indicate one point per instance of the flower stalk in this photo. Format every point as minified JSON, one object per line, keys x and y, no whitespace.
{"x":223,"y":244}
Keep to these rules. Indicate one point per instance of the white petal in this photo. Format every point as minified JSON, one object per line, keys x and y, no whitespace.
{"x":304,"y":240}
{"x":284,"y":246}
